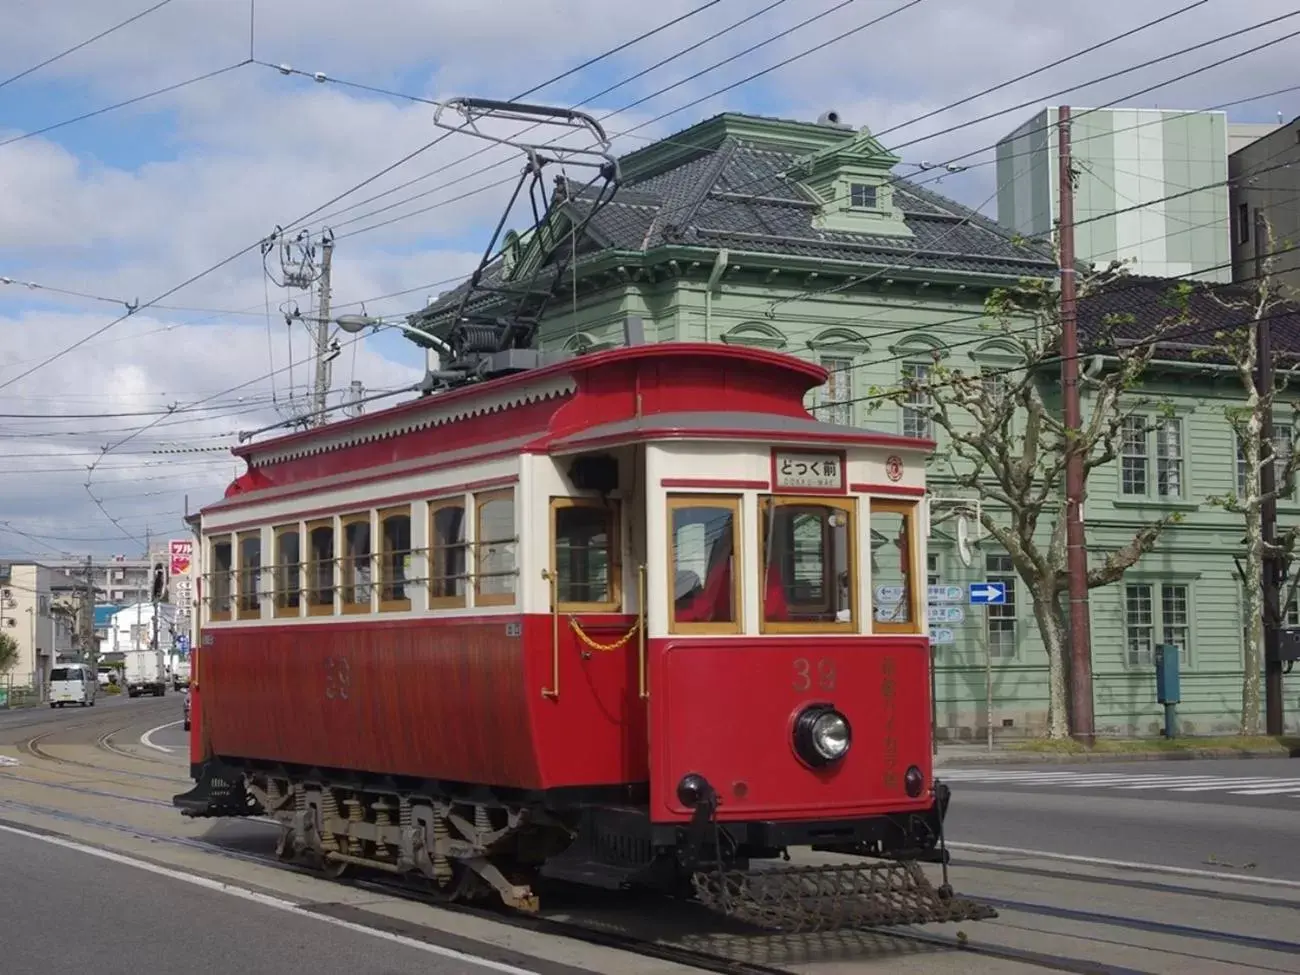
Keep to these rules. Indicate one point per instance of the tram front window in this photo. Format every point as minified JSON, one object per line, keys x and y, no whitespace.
{"x":808,"y":558}
{"x":704,"y":583}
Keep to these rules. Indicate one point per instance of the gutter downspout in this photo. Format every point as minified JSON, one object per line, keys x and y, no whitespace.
{"x":715,"y":275}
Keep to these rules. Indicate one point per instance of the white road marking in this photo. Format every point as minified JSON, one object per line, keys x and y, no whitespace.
{"x":147,"y":738}
{"x":7,"y":762}
{"x":1128,"y":782}
{"x":1124,"y":865}
{"x":267,"y":900}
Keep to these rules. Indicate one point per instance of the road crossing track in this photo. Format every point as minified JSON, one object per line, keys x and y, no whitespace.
{"x":893,"y":940}
{"x":33,"y":747}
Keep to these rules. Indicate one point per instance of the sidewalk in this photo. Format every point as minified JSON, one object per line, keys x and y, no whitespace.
{"x":1043,"y":752}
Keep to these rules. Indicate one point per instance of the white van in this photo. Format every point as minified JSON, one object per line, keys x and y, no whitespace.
{"x":73,"y":684}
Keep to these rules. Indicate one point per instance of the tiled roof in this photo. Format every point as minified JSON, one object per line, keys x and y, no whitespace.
{"x":733,"y":195}
{"x":1143,"y":306}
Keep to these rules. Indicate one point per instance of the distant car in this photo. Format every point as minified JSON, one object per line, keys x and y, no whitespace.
{"x":187,"y":709}
{"x":72,"y":684}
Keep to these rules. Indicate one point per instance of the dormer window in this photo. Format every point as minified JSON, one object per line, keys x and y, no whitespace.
{"x":862,"y":196}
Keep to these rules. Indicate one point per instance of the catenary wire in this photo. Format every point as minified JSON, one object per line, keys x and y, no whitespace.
{"x":86,"y":43}
{"x":631,"y":131}
{"x":222,"y":263}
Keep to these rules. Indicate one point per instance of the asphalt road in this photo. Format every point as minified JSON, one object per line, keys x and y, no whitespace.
{"x":67,"y":910}
{"x":1233,"y":816}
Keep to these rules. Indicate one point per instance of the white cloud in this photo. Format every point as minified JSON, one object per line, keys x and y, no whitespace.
{"x":222,"y":162}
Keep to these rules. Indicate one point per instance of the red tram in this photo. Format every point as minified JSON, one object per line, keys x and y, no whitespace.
{"x":610,"y":620}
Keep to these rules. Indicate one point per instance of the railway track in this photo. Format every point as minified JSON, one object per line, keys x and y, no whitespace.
{"x":855,"y":945}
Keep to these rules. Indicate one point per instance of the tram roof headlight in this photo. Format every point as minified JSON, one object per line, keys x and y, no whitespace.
{"x":822,"y":735}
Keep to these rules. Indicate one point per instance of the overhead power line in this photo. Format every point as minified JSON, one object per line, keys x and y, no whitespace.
{"x":88,"y":41}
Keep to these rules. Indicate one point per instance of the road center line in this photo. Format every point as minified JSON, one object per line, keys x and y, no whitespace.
{"x":1124,"y":865}
{"x":266,"y":900}
{"x":147,"y":738}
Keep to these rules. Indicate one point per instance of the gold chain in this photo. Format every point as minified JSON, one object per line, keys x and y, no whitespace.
{"x":603,"y":647}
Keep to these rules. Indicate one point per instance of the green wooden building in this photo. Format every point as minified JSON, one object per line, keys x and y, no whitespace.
{"x":801,"y":237}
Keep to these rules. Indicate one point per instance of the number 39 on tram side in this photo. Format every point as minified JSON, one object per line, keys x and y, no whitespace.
{"x":612,"y":620}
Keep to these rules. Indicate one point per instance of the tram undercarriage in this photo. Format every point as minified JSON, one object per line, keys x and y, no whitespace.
{"x":468,"y":850}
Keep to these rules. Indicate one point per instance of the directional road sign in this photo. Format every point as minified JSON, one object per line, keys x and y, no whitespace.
{"x":182,"y":645}
{"x":988,"y":593}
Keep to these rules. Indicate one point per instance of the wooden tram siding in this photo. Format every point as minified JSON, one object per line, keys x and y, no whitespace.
{"x":266,"y":693}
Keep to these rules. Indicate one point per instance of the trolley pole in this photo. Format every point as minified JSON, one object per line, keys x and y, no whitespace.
{"x":1273,"y":714}
{"x":322,"y":386}
{"x":1081,"y":707}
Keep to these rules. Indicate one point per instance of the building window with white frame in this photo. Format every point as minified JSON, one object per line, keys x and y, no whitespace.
{"x":1133,"y":455}
{"x":1175,"y":618}
{"x":916,"y":410}
{"x":1169,"y":457}
{"x":1283,"y":444}
{"x":1139,"y":625}
{"x":837,"y":394}
{"x":862,"y":196}
{"x":1001,"y":617}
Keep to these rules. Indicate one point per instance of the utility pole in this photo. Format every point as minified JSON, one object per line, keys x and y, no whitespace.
{"x":323,"y":333}
{"x":1273,"y":715}
{"x":88,"y":647}
{"x":1081,"y":709}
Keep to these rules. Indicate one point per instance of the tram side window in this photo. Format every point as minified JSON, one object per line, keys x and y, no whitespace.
{"x":495,"y":545}
{"x":394,"y":559}
{"x":447,"y":554}
{"x":586,"y":558}
{"x":287,"y":570}
{"x":219,"y":579}
{"x":250,"y":575}
{"x":704,"y":564}
{"x":894,"y":568}
{"x":358,"y":563}
{"x":320,"y":568}
{"x":807,"y":550}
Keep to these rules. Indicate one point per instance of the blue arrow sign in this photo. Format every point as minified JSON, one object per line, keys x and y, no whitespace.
{"x":988,"y":593}
{"x":182,"y":645}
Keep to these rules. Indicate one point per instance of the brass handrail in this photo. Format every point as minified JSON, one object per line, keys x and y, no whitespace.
{"x":641,"y":662}
{"x":553,"y":691}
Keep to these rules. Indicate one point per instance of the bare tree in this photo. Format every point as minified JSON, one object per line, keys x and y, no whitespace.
{"x":1008,"y":447}
{"x":1237,"y":342}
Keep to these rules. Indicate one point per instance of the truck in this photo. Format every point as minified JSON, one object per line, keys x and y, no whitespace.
{"x":146,"y":673}
{"x":180,"y":673}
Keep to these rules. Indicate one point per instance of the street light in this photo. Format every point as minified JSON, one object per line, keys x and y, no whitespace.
{"x":353,"y":324}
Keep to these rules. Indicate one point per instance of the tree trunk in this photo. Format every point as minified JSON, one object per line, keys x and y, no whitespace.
{"x":1051,"y":625}
{"x":1254,"y":613}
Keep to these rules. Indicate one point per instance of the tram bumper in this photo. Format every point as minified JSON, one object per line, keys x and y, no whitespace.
{"x":834,"y":897}
{"x":219,"y":791}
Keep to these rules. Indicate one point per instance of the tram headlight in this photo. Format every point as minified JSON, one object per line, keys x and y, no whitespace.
{"x":822,"y":736}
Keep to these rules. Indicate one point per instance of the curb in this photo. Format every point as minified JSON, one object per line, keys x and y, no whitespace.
{"x":1086,"y":758}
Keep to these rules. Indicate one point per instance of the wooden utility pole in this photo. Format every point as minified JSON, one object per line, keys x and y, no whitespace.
{"x":1273,"y":610}
{"x":1081,"y":710}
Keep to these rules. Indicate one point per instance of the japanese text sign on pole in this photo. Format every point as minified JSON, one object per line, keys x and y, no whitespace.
{"x":988,"y":593}
{"x":182,"y":554}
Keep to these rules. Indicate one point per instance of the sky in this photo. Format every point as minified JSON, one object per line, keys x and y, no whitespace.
{"x":111,"y":428}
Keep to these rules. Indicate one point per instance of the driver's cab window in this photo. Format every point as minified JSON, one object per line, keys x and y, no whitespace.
{"x":807,"y":550}
{"x":894,"y":590}
{"x":704,"y":564}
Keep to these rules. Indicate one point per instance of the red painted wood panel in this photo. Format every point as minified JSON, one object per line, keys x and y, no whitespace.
{"x":724,"y":709}
{"x":595,"y":732}
{"x":432,"y":698}
{"x":436,"y":698}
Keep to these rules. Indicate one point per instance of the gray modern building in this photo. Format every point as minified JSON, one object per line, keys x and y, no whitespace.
{"x":1266,"y":183}
{"x":1130,"y":162}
